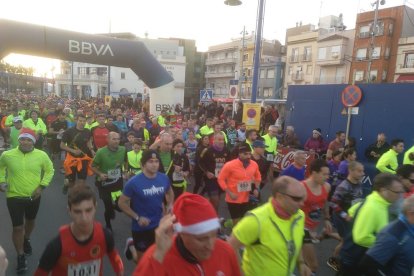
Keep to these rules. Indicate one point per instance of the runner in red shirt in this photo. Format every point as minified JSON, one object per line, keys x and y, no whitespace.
{"x":100,"y":132}
{"x":195,"y":250}
{"x":80,"y":247}
{"x":316,"y":209}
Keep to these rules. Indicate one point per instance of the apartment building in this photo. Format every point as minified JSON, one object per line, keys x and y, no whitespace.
{"x":301,"y":50}
{"x":382,"y":41}
{"x":404,"y":71}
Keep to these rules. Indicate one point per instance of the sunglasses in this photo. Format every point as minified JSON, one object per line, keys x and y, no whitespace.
{"x":294,"y":198}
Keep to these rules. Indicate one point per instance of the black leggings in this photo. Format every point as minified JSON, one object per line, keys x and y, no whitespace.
{"x":198,"y":179}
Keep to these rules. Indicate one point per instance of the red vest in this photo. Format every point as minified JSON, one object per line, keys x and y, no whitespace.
{"x":77,"y":259}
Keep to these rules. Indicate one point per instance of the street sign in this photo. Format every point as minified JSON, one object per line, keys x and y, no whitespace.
{"x":206,"y":95}
{"x":351,"y":96}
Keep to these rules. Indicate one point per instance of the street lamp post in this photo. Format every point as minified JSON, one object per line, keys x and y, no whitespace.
{"x":373,"y":33}
{"x":257,"y":50}
{"x":241,"y":75}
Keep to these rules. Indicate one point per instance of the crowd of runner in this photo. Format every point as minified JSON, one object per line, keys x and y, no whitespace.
{"x":168,"y":172}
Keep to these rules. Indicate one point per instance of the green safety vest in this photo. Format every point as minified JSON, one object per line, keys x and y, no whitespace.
{"x":205,"y":130}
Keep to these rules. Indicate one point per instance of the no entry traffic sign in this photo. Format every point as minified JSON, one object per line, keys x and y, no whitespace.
{"x":351,"y":96}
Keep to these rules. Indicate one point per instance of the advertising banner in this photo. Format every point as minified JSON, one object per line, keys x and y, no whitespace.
{"x":284,"y":158}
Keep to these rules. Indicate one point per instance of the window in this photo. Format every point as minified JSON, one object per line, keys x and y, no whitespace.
{"x":295,"y":55}
{"x":373,"y":75}
{"x":290,"y":70}
{"x":307,"y":55}
{"x":390,"y":28}
{"x":387,"y":53}
{"x":270,"y":73}
{"x":364,"y":31}
{"x":376,"y":53}
{"x":384,"y":75}
{"x":379,"y":30}
{"x":82,"y":70}
{"x":262,"y":73}
{"x":361,"y":54}
{"x":322,"y":53}
{"x":248,"y":72}
{"x":409,"y":60}
{"x":309,"y":70}
{"x":212,"y":85}
{"x":335,"y":50}
{"x":226,"y":55}
{"x":359,"y":75}
{"x":245,"y":57}
{"x":267,"y":92}
{"x":122,"y":75}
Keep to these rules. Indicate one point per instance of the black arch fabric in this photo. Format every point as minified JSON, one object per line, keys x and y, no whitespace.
{"x":29,"y":39}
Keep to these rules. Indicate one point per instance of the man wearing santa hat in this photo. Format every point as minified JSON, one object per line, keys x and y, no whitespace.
{"x":23,"y":185}
{"x":194,"y":248}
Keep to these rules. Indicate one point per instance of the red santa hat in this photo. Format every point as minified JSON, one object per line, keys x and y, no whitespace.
{"x":28,"y":133}
{"x":195,"y":215}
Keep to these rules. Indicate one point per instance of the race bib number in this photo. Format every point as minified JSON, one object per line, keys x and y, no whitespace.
{"x":270,"y":157}
{"x":114,"y":174}
{"x":244,"y":187}
{"x":219,"y":166}
{"x":177,"y":176}
{"x":91,"y":268}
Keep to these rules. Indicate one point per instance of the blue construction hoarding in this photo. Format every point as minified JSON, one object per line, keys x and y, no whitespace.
{"x":387,"y":108}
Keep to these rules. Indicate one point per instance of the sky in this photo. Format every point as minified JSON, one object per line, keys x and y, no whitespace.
{"x":209,"y":22}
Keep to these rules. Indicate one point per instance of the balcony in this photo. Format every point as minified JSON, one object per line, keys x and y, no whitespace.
{"x":298,"y":76}
{"x":307,"y":57}
{"x":81,"y":78}
{"x":221,"y":61}
{"x":330,"y":80}
{"x":405,"y":68}
{"x":294,"y":58}
{"x":229,"y":74}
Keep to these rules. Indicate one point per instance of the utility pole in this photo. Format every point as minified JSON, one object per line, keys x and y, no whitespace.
{"x":241,"y":75}
{"x":257,"y":50}
{"x":373,"y":33}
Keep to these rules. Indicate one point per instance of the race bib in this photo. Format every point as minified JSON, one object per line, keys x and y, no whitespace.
{"x":177,"y":176}
{"x":91,"y":268}
{"x":219,"y":166}
{"x":270,"y":157}
{"x":244,"y":187}
{"x":114,"y":174}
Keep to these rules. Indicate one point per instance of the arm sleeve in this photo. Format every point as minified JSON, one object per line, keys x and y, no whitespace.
{"x":128,"y":189}
{"x":150,"y":266}
{"x":113,"y":255}
{"x":223,"y":175}
{"x":384,"y":249}
{"x":247,"y":230}
{"x":382,"y":164}
{"x":49,"y":257}
{"x":2,"y":168}
{"x":337,"y":198}
{"x":43,"y":126}
{"x":365,"y":226}
{"x":48,"y":169}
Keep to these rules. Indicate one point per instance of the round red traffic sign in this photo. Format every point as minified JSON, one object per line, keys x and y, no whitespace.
{"x":351,"y":96}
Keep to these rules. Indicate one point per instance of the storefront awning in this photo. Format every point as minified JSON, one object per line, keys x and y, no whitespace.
{"x":405,"y":78}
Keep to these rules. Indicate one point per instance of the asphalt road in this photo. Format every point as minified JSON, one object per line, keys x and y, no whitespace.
{"x":53,"y":214}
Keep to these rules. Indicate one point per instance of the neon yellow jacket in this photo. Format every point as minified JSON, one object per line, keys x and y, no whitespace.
{"x":371,"y":218}
{"x":407,"y":160}
{"x":134,"y":159}
{"x":23,"y":172}
{"x":271,"y":144}
{"x":161,"y":121}
{"x":35,"y":127}
{"x":388,"y":162}
{"x":203,"y":131}
{"x":266,"y":252}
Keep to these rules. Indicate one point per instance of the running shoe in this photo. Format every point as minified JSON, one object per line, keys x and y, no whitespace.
{"x":21,"y":264}
{"x":27,"y":247}
{"x":333,"y":263}
{"x":127,"y":251}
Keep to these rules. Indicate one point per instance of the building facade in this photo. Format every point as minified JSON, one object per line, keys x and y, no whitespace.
{"x":392,"y":24}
